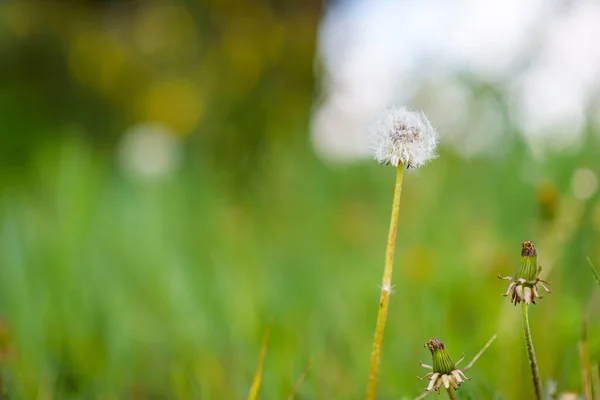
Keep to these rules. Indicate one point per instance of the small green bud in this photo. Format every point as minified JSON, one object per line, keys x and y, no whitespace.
{"x":525,"y":286}
{"x":442,"y":362}
{"x":529,"y":264}
{"x":444,"y":371}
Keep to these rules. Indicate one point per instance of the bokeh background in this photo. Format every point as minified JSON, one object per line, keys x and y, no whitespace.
{"x":179,"y":177}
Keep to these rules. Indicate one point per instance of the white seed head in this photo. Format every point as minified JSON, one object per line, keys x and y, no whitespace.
{"x":403,"y":136}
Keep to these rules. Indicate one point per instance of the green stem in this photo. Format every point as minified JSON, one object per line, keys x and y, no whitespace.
{"x":386,"y":288}
{"x":253,"y":395}
{"x":451,"y":394}
{"x":535,"y":372}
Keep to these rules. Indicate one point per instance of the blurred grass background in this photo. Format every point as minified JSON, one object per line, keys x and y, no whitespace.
{"x":116,"y":283}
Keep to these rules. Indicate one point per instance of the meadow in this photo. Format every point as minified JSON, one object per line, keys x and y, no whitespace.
{"x":112,"y":288}
{"x":163,"y":285}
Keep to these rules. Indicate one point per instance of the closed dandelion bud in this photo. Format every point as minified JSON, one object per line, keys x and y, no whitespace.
{"x":441,"y":359}
{"x":529,"y":267}
{"x":444,"y":371}
{"x":525,"y":286}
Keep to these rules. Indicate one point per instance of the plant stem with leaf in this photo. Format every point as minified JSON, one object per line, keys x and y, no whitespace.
{"x":386,"y":288}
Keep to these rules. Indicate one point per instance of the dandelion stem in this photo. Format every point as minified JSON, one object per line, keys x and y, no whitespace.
{"x":535,"y":372}
{"x":386,"y":288}
{"x":450,"y":394}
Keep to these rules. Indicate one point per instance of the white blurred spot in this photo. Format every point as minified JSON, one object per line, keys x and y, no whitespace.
{"x":338,"y":137}
{"x":486,"y":37}
{"x":470,"y":127}
{"x":149,"y":151}
{"x":552,"y":96}
{"x":542,"y":55}
{"x":584,"y":183}
{"x":568,"y":396}
{"x":362,"y":75}
{"x":549,"y":108}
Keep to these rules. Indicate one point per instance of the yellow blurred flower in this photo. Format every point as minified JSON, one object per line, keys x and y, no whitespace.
{"x":98,"y":60}
{"x":176,"y":103}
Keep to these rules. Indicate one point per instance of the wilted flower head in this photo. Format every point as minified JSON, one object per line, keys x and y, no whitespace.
{"x":444,"y":371}
{"x":403,"y":136}
{"x":525,"y":286}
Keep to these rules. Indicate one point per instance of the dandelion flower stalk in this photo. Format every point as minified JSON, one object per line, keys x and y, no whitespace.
{"x":404,"y":139}
{"x":535,"y":372}
{"x":385,"y":289}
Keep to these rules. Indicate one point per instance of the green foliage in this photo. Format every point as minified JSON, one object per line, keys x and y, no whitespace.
{"x":112,"y":287}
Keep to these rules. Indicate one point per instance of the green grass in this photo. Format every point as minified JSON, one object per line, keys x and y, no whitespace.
{"x":113,"y":288}
{"x":594,"y":272}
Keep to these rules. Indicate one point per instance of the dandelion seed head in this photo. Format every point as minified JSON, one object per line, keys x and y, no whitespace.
{"x":403,"y":136}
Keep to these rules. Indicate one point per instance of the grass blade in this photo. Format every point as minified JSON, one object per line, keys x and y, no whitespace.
{"x":301,"y":379}
{"x":596,"y":382}
{"x":584,"y":361}
{"x":594,"y":271}
{"x":253,"y":395}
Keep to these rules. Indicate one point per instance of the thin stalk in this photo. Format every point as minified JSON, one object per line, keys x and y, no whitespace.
{"x":253,"y":394}
{"x":596,"y":382}
{"x":484,"y":348}
{"x":386,"y":288}
{"x":451,"y":394}
{"x":535,"y":372}
{"x":594,"y":272}
{"x":585,"y":371}
{"x":300,"y":380}
{"x":584,"y":359}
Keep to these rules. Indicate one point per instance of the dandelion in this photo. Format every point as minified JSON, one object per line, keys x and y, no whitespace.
{"x":525,"y":286}
{"x":402,"y":138}
{"x":444,"y":371}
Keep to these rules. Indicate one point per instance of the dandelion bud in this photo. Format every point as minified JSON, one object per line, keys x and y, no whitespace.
{"x":444,"y":371}
{"x":528,"y":268}
{"x":525,"y":286}
{"x":441,"y":359}
{"x":402,"y":136}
